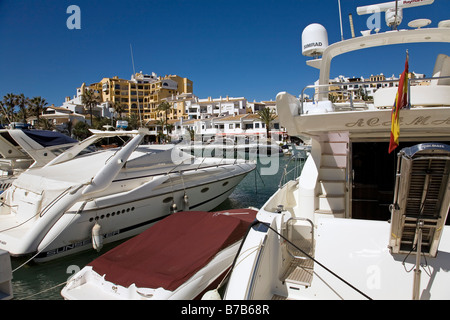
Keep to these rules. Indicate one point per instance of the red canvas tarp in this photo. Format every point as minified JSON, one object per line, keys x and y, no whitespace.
{"x":171,"y":251}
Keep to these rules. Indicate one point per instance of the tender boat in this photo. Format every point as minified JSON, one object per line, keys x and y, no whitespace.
{"x":21,"y":149}
{"x":77,"y":200}
{"x":359,"y":222}
{"x":178,"y":258}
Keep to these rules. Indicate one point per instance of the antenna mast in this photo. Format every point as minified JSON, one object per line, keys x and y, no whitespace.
{"x":393,"y":10}
{"x":137,"y":92}
{"x":132,"y":59}
{"x":340,"y":19}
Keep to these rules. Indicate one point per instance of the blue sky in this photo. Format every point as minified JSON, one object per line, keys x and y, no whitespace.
{"x":249,"y":48}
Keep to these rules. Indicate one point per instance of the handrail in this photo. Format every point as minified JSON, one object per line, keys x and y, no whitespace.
{"x":296,"y":169}
{"x":341,"y":84}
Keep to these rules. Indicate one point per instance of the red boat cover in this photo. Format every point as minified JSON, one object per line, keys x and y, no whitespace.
{"x":171,"y":251}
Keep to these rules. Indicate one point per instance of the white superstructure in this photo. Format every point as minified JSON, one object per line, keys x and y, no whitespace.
{"x":359,"y":222}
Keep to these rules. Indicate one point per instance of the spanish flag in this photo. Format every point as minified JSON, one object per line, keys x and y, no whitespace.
{"x":401,"y":100}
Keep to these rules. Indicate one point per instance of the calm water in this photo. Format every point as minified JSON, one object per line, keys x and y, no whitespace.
{"x":45,"y":281}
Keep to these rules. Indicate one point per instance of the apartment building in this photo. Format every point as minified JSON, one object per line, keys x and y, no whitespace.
{"x":141,"y":95}
{"x":244,"y":125}
{"x":359,"y":88}
{"x":209,"y":107}
{"x":144,"y":93}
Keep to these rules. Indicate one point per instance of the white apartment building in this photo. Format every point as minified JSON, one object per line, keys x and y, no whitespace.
{"x":207,"y":108}
{"x":245,"y":125}
{"x":76,"y":106}
{"x":254,"y":107}
{"x":360,"y":88}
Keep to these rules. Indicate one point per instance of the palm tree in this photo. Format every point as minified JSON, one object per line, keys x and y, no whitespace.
{"x":23,"y":102}
{"x":119,"y":108}
{"x":267,"y":115}
{"x":47,"y":124}
{"x":191,"y":132}
{"x":165,"y":107}
{"x":2,"y":111}
{"x":169,"y":128}
{"x":160,"y":123}
{"x":9,"y":103}
{"x":80,"y":130}
{"x":90,"y":100}
{"x":37,"y":106}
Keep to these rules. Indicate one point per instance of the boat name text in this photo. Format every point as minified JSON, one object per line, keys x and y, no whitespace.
{"x":376,"y":122}
{"x":78,"y":244}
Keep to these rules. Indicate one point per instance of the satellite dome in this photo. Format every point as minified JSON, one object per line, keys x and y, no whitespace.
{"x":314,"y":40}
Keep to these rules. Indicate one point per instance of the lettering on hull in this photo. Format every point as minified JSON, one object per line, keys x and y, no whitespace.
{"x":377,"y":122}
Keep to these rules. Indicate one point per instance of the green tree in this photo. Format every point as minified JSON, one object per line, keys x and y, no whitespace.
{"x":160,"y":124}
{"x":9,"y":103}
{"x":133,"y":121}
{"x":2,"y":111}
{"x":191,"y":132}
{"x":22,"y":102}
{"x":80,"y":130}
{"x":119,"y":108}
{"x":267,"y":115}
{"x":169,"y":128}
{"x":37,"y":106}
{"x":46,"y":124}
{"x":90,"y":100}
{"x":165,"y":107}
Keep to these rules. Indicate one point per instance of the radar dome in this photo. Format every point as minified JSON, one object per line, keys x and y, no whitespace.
{"x":314,"y":40}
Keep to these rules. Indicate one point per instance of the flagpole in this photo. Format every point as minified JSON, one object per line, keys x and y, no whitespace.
{"x":395,"y":18}
{"x":399,"y":103}
{"x":409,"y":84}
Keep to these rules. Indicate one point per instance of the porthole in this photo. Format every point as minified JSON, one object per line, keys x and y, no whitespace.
{"x":225,"y":183}
{"x":204,"y":190}
{"x":167,"y":200}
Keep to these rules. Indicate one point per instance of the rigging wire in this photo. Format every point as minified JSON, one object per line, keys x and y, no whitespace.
{"x":233,"y":265}
{"x":39,"y":251}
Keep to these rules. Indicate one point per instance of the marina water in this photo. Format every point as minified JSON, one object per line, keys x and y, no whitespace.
{"x":44,"y":281}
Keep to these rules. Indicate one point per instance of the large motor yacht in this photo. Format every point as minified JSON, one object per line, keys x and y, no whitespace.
{"x":82,"y":200}
{"x":359,"y":222}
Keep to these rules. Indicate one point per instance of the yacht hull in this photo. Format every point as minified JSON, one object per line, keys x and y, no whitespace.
{"x":68,"y":230}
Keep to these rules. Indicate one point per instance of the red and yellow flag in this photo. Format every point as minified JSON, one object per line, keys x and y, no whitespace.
{"x":401,"y":100}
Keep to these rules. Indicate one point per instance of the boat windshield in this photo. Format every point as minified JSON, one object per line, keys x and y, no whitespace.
{"x":49,"y":138}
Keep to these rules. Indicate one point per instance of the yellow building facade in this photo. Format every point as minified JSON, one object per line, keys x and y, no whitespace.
{"x":144,"y":93}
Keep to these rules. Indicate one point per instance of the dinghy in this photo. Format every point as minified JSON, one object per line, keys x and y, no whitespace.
{"x":179,"y":258}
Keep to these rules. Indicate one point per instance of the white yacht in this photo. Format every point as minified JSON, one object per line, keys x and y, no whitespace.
{"x":108,"y":195}
{"x":22,"y":149}
{"x":359,"y":222}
